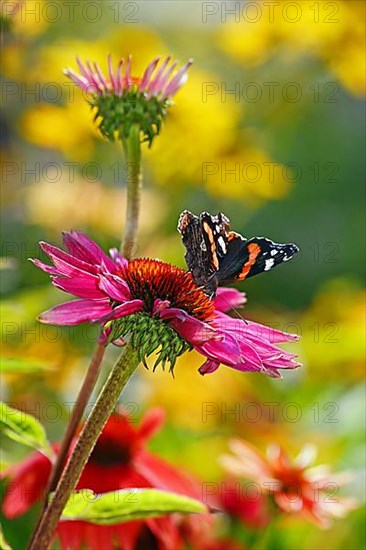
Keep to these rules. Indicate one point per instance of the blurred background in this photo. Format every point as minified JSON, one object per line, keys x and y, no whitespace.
{"x":268,"y":129}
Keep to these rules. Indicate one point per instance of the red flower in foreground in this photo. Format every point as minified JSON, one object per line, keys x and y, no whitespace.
{"x":240,"y":503}
{"x":119,"y":461}
{"x":296,"y":488}
{"x":161,"y":307}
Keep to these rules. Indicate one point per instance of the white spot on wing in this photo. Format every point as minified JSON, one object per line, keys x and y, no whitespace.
{"x":269,"y":264}
{"x":221,"y":242}
{"x":274,"y":252}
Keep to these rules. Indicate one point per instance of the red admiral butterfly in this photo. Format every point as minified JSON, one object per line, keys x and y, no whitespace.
{"x":217,"y":256}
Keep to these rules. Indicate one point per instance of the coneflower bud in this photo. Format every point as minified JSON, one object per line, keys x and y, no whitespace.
{"x":122,"y":101}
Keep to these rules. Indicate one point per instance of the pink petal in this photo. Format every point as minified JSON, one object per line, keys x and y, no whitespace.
{"x":119,"y":81}
{"x":154,"y":85}
{"x":65,"y":263}
{"x":128,"y":72}
{"x":111,"y":72}
{"x":147,"y":74}
{"x":101,"y":76}
{"x":82,"y":68}
{"x":208,"y":367}
{"x":115,"y":287}
{"x":76,"y":312}
{"x":160,"y":305}
{"x":191,"y":329}
{"x":272,"y":335}
{"x":45,"y":267}
{"x":178,"y":80}
{"x":80,"y":81}
{"x":164,"y":79}
{"x":93,"y":79}
{"x":83,"y":287}
{"x":251,"y":355}
{"x":258,"y":336}
{"x":229,"y":298}
{"x":117,"y":258}
{"x":85,"y":249}
{"x":128,"y":308}
{"x":224,"y":351}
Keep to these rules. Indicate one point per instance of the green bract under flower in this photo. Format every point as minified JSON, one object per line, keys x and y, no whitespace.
{"x":149,"y":335}
{"x":119,"y":113}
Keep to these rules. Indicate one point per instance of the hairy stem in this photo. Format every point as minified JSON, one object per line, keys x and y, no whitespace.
{"x":132,"y":150}
{"x":77,"y":414}
{"x":118,"y":377}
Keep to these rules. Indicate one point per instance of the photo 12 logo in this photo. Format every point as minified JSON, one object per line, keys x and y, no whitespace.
{"x":270,"y":12}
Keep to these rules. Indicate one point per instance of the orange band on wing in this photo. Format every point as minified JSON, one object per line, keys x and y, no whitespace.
{"x":254,"y":251}
{"x":210,"y":236}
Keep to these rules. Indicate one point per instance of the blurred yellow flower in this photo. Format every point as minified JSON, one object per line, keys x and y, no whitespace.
{"x":28,"y":17}
{"x":47,"y":67}
{"x":249,"y":175}
{"x":197,"y":130}
{"x":68,"y":128}
{"x":333,"y":331}
{"x":334,"y":31}
{"x":24,"y":338}
{"x":64,"y":197}
{"x":191,"y":400}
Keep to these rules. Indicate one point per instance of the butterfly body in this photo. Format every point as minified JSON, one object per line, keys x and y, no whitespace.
{"x":217,"y":256}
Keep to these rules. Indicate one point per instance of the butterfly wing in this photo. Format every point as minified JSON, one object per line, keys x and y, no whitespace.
{"x":245,"y":258}
{"x":205,"y":241}
{"x":215,"y":232}
{"x":197,"y":254}
{"x":215,"y":255}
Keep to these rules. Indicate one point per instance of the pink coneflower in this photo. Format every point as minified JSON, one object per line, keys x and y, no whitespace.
{"x":123,"y":100}
{"x":119,"y":460}
{"x":295,"y":487}
{"x":160,"y":307}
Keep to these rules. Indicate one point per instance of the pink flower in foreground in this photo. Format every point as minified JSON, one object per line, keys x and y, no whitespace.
{"x":123,"y":101}
{"x":296,"y":488}
{"x":120,"y":460}
{"x":160,"y":307}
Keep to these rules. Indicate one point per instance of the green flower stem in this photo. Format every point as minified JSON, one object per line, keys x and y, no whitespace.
{"x":117,"y":379}
{"x":132,"y":150}
{"x":77,"y":414}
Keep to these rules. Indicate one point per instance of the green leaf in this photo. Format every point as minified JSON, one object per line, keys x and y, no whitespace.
{"x":15,"y":365}
{"x":127,"y":505}
{"x":3,"y":544}
{"x":24,"y":428}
